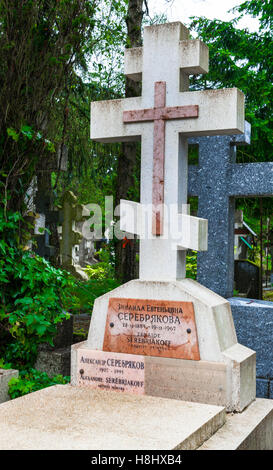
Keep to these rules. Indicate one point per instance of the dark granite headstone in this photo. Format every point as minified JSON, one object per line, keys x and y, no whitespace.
{"x":217,"y":180}
{"x":253,"y":320}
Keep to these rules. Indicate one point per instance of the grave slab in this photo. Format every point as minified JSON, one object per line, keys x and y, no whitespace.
{"x":74,"y":418}
{"x":253,"y":320}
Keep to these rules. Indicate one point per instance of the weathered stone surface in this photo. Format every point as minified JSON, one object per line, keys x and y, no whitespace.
{"x":253,"y":321}
{"x":250,"y":430}
{"x":64,"y":417}
{"x":201,"y":381}
{"x":151,"y":327}
{"x":5,"y":376}
{"x":103,"y":370}
{"x":54,"y":362}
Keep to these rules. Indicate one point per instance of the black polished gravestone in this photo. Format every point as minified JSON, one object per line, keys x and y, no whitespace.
{"x":217,"y":180}
{"x":247,"y":278}
{"x":43,"y":207}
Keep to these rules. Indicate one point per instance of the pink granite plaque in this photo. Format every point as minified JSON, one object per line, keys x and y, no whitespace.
{"x":160,"y":328}
{"x":110,"y":371}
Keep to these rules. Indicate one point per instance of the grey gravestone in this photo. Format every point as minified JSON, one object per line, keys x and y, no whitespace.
{"x":47,"y":217}
{"x":56,"y":359}
{"x":253,"y":320}
{"x":217,"y":180}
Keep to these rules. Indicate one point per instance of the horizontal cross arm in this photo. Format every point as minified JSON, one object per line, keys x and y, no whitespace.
{"x":220,"y":112}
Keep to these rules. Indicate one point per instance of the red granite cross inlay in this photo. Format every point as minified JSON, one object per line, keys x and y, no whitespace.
{"x":159,"y":114}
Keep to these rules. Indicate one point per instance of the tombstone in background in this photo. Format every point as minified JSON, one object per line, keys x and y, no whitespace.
{"x":56,"y":359}
{"x":246,"y":272}
{"x":244,"y":238}
{"x":177,"y":335}
{"x":72,"y":212}
{"x":85,"y":249}
{"x":217,"y":180}
{"x":50,"y":217}
{"x":42,"y":230}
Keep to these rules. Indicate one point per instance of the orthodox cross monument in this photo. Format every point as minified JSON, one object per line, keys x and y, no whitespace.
{"x":162,"y":118}
{"x":179,"y":332}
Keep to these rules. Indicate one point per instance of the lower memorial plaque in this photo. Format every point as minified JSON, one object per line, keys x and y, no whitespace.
{"x":111,"y":371}
{"x":151,"y":327}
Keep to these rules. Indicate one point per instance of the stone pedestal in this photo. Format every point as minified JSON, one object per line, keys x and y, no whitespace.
{"x":226,"y":372}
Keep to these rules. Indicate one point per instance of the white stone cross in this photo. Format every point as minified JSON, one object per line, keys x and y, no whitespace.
{"x":163,"y":117}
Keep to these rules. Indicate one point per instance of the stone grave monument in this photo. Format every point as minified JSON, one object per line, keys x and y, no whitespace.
{"x":162,"y":338}
{"x":217,"y":180}
{"x":162,"y":334}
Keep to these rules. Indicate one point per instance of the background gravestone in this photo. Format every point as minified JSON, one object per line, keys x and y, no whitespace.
{"x":72,"y":212}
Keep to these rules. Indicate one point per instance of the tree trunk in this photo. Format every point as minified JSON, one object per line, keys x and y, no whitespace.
{"x":126,"y":264}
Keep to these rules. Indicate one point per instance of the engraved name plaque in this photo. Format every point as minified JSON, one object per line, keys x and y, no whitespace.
{"x":111,"y":371}
{"x":151,"y":327}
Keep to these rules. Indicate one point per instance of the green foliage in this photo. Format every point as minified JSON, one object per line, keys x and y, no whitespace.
{"x":32,"y":380}
{"x":41,"y":45}
{"x":191,"y":265}
{"x":32,"y":294}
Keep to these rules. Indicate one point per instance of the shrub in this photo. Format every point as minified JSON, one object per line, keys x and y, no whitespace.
{"x":33,"y":380}
{"x":32,"y":296}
